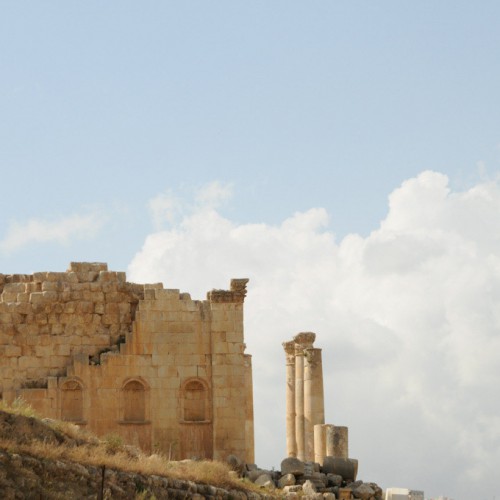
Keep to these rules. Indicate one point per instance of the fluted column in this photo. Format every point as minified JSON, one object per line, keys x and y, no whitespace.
{"x":314,"y":410}
{"x":302,"y":342}
{"x":291,"y":442}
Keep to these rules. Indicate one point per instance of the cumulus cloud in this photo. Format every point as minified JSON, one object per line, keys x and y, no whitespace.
{"x":61,"y":230}
{"x":408,"y":319}
{"x":167,"y":207}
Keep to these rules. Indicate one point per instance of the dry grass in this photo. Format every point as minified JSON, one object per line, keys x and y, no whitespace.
{"x":19,"y":407}
{"x":112,"y":453}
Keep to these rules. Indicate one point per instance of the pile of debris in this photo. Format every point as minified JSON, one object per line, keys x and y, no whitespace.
{"x":335,"y":479}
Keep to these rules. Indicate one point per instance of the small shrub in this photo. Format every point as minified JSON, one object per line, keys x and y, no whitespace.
{"x":114,"y":443}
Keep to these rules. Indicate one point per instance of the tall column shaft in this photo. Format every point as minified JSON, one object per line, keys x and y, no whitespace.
{"x":249,"y":427}
{"x":291,"y":441}
{"x":314,"y":408}
{"x":299,"y":403}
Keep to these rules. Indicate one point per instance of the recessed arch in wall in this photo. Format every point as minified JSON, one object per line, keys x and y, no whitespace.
{"x":72,"y":401}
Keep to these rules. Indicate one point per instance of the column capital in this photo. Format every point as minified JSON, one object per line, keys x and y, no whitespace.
{"x":304,"y":340}
{"x":289,"y":348}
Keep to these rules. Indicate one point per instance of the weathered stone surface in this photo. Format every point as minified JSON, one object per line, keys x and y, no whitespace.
{"x":235,"y":463}
{"x":292,"y":488}
{"x":293,"y":466}
{"x":286,"y":480}
{"x":340,"y":466}
{"x":334,"y":479}
{"x":363,"y":491}
{"x":309,"y":488}
{"x":263,"y":479}
{"x":253,"y":475}
{"x":345,"y":493}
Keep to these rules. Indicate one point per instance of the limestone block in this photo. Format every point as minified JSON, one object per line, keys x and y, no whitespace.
{"x":14,"y":288}
{"x":309,"y":488}
{"x":85,"y":307}
{"x":52,"y":286}
{"x":345,"y":493}
{"x":339,"y":466}
{"x":286,"y":480}
{"x":44,"y":351}
{"x":5,"y":318}
{"x":363,"y":491}
{"x":12,"y":350}
{"x":23,"y":297}
{"x":334,"y":479}
{"x":9,"y":296}
{"x":107,"y":276}
{"x":292,"y":465}
{"x":41,"y":318}
{"x":51,"y":276}
{"x":50,"y":296}
{"x":57,"y":329}
{"x":57,"y":308}
{"x":25,"y":362}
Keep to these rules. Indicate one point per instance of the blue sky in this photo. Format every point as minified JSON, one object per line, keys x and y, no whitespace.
{"x":273,"y":108}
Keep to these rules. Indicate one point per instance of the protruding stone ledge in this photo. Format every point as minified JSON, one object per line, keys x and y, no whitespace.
{"x":236,"y":294}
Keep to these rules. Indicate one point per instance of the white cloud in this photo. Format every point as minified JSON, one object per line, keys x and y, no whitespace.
{"x":61,"y":230}
{"x":408,"y":319}
{"x":166,"y":208}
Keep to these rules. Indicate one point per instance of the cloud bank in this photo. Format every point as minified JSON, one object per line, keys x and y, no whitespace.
{"x":408,"y":319}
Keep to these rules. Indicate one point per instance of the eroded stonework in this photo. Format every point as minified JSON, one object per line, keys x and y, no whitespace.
{"x":164,"y":371}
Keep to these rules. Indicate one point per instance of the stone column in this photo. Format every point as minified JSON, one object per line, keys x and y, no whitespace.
{"x":319,"y":443}
{"x":302,"y":341}
{"x":314,"y":410}
{"x":337,"y":444}
{"x":291,"y":442}
{"x":329,"y":440}
{"x":249,"y":427}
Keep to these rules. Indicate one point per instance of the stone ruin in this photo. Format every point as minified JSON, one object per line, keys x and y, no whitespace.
{"x":163,"y":371}
{"x":317,"y":465}
{"x":166,"y":373}
{"x":307,"y":436}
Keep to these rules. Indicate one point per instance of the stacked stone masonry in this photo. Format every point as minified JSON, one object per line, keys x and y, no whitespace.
{"x":150,"y":364}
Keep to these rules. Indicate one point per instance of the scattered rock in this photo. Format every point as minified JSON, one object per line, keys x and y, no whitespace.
{"x":309,"y":488}
{"x":363,"y":491}
{"x":334,"y":479}
{"x":263,"y":479}
{"x":286,"y":480}
{"x":292,"y":465}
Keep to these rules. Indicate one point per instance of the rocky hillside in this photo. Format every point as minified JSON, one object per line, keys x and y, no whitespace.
{"x":47,"y":459}
{"x":42,"y":459}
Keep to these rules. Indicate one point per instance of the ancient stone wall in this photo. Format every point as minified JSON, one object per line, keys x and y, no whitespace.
{"x":162,"y":370}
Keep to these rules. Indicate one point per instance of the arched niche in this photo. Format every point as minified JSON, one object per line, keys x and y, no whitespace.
{"x":134,"y":401}
{"x":72,"y":401}
{"x":195,"y":401}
